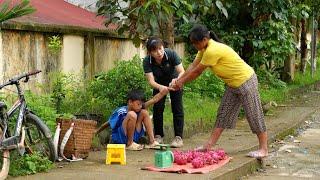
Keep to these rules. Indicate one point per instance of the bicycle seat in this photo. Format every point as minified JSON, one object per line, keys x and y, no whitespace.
{"x":3,"y":105}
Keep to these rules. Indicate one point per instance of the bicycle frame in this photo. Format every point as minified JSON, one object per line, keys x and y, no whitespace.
{"x":22,"y":104}
{"x":15,"y":141}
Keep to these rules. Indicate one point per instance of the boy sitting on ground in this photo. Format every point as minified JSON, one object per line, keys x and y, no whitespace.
{"x":127,"y":122}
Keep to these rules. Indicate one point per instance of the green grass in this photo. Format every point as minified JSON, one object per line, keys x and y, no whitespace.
{"x":305,"y":79}
{"x":272,"y":94}
{"x":281,"y":94}
{"x":199,"y":115}
{"x":195,"y":108}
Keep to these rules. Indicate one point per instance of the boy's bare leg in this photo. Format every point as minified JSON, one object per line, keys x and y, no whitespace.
{"x":129,"y":125}
{"x":145,"y":119}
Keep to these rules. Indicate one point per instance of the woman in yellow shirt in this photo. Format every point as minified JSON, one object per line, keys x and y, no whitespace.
{"x":241,"y":90}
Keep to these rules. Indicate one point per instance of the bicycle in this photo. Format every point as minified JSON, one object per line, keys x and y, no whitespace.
{"x":30,"y":135}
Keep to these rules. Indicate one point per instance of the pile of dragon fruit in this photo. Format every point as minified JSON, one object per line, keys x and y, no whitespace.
{"x":198,"y":159}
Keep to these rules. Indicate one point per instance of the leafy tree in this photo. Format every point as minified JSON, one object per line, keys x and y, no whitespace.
{"x":314,"y":20}
{"x":259,"y":30}
{"x":20,"y":9}
{"x":141,"y":18}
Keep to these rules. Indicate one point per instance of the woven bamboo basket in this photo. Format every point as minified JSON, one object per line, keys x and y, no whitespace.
{"x":80,"y":140}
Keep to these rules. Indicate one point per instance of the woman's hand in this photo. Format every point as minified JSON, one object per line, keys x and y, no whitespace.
{"x":163,"y":89}
{"x":175,"y":84}
{"x":207,"y":146}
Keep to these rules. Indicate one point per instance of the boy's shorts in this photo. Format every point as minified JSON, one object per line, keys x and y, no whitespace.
{"x":119,"y":137}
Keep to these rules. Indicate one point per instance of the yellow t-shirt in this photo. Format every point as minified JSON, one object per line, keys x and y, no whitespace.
{"x":225,"y":63}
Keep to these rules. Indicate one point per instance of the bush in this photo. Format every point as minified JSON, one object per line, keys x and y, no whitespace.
{"x":28,"y":164}
{"x":71,"y":95}
{"x":43,"y":107}
{"x":206,"y":85}
{"x":112,"y":86}
{"x":269,"y":80}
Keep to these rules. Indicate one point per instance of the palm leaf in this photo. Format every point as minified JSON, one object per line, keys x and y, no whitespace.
{"x":21,"y":9}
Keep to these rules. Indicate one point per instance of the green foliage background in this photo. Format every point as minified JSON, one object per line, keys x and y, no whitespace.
{"x":113,"y":86}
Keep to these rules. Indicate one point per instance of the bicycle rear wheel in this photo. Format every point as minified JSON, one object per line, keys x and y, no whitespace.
{"x":4,"y":161}
{"x":38,"y":137}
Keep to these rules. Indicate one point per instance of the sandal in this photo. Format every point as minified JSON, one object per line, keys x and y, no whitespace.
{"x":200,"y":148}
{"x":154,"y":145}
{"x":134,"y":147}
{"x":256,"y":154}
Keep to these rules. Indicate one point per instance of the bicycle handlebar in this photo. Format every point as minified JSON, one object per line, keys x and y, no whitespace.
{"x":15,"y":80}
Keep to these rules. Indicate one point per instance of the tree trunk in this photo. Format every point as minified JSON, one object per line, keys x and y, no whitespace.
{"x":313,"y":47}
{"x":303,"y":46}
{"x":288,"y":72}
{"x":246,"y":22}
{"x":297,"y":40}
{"x":289,"y":63}
{"x":168,"y":33}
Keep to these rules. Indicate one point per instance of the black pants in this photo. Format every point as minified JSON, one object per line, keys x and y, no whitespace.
{"x":177,"y":111}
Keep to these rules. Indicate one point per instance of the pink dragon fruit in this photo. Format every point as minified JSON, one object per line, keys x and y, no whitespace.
{"x":208,"y":159}
{"x":198,"y":159}
{"x":181,"y":159}
{"x":189,"y":155}
{"x":221,"y":153}
{"x":198,"y":162}
{"x":175,"y":154}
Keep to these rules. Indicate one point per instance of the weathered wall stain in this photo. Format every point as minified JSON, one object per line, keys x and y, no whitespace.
{"x":108,"y":51}
{"x":25,"y":50}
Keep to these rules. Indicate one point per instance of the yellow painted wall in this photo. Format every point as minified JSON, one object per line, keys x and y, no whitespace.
{"x":72,"y":54}
{"x":108,"y":51}
{"x":179,"y":48}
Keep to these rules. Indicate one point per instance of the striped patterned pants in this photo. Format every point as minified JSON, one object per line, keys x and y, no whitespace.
{"x":247,"y":96}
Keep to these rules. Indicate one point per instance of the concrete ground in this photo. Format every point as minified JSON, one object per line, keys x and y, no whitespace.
{"x":295,"y":157}
{"x":281,"y":121}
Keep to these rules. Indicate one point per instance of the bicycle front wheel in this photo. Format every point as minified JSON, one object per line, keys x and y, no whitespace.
{"x":38,"y":137}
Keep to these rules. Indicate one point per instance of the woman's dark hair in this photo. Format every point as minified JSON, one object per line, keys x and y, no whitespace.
{"x":136,"y":94}
{"x":199,"y":32}
{"x":153,"y":43}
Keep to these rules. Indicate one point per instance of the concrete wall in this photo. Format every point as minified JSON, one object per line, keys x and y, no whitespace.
{"x":108,"y":51}
{"x":24,"y":51}
{"x":179,"y":47}
{"x":72,"y":54}
{"x":1,"y":58}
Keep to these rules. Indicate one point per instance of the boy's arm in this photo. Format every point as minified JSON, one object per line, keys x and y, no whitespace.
{"x":155,"y":99}
{"x":102,"y":127}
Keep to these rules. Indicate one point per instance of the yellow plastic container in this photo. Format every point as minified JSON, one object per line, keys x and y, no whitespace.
{"x":116,"y":153}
